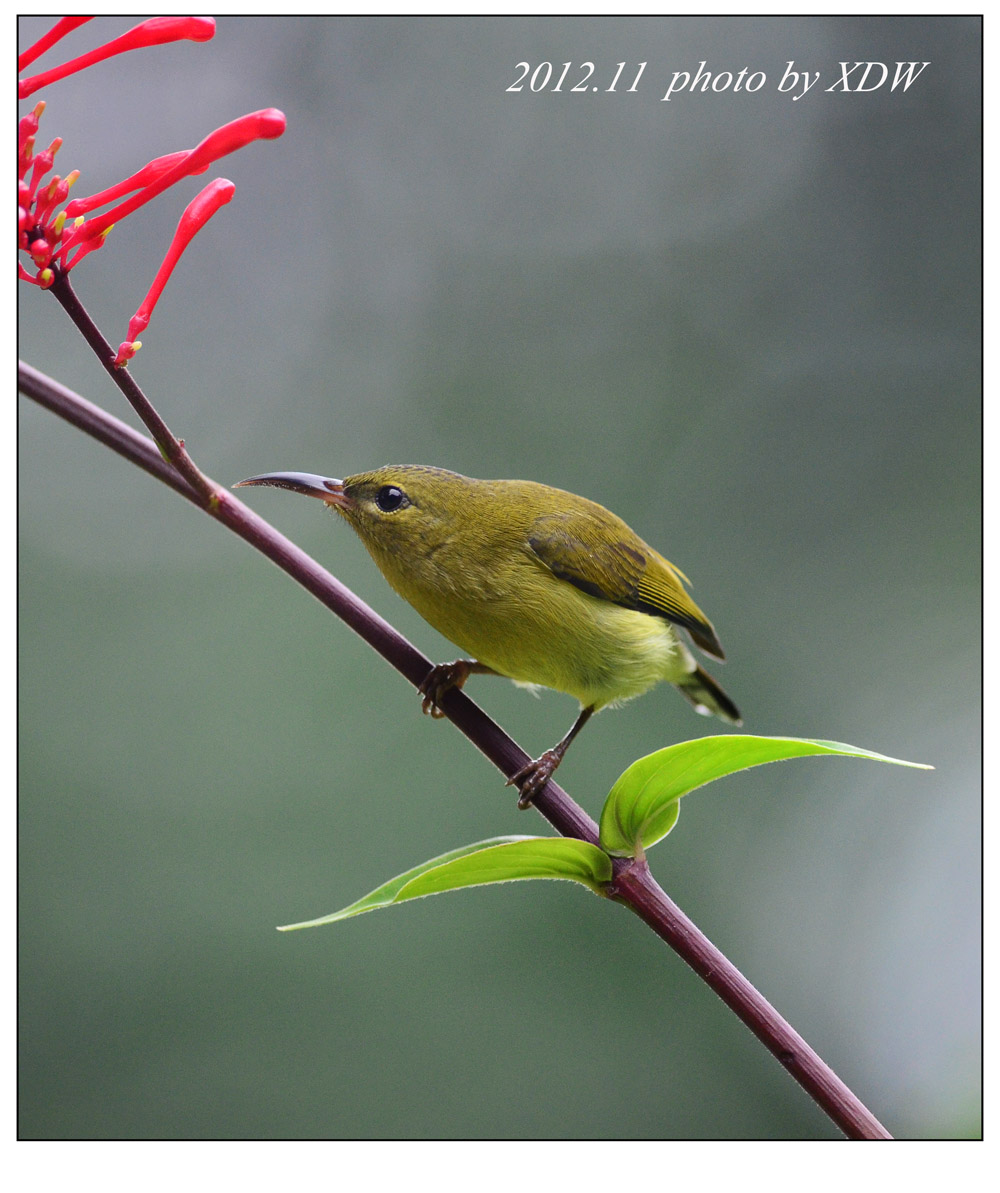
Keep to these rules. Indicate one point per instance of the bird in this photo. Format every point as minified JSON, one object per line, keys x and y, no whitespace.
{"x":533,"y":583}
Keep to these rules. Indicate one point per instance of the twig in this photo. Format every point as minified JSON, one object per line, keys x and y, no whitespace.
{"x":171,"y":447}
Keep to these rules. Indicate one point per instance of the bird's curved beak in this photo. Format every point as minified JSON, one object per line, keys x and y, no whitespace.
{"x":326,"y":489}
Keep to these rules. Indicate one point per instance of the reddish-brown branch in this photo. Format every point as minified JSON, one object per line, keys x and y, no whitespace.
{"x":632,"y":885}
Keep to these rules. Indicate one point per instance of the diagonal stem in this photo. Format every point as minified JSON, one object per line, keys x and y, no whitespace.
{"x":632,"y":883}
{"x":171,"y":447}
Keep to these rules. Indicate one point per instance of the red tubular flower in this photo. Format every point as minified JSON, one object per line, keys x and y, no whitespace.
{"x":141,"y":178}
{"x":255,"y":126}
{"x":196,"y":215}
{"x":154,"y":32}
{"x":56,"y":33}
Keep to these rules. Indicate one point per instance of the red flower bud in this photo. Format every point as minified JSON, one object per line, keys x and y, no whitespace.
{"x":125,"y":352}
{"x":28,"y":125}
{"x":40,"y":251}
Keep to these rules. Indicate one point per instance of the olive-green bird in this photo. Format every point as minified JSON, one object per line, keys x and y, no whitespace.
{"x":533,"y":583}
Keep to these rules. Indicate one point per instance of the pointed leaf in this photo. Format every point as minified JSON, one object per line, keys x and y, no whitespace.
{"x":642,"y":806}
{"x":500,"y":859}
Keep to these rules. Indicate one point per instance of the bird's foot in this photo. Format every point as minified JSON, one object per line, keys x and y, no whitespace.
{"x":530,"y":779}
{"x":441,"y":679}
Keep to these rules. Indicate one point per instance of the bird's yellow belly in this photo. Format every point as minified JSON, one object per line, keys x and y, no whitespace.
{"x":592,"y":649}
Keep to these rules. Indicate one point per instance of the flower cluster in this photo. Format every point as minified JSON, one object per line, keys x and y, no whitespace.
{"x":57,"y":240}
{"x":39,"y":230}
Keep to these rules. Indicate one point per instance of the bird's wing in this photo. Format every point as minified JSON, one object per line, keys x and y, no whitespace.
{"x":608,"y":561}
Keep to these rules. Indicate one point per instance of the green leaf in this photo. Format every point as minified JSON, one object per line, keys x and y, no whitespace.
{"x":500,"y":859}
{"x":642,"y":806}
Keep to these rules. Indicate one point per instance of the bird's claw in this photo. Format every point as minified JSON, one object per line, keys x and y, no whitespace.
{"x":439,"y":680}
{"x":530,"y":779}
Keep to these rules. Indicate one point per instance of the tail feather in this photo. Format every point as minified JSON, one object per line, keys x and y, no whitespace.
{"x":707,"y":697}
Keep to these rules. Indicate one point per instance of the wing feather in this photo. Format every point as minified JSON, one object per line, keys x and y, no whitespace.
{"x":603,"y":557}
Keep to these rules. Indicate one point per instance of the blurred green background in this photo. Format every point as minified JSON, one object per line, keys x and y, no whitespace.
{"x":751,"y":326}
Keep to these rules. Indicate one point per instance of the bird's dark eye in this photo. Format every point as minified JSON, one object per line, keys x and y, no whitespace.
{"x":390,"y":498}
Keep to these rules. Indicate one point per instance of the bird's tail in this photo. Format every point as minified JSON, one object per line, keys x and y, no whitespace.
{"x":707,"y":697}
